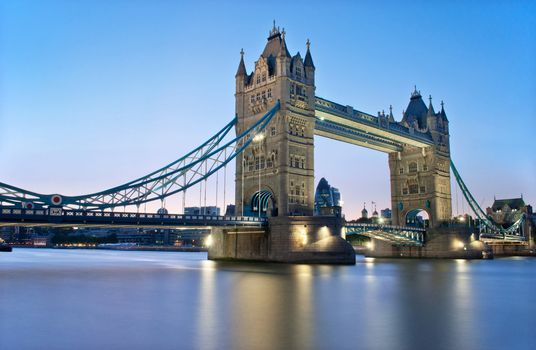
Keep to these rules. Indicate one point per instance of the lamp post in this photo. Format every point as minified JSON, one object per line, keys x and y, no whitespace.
{"x":258,"y":139}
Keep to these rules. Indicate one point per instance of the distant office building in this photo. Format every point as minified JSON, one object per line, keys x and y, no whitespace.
{"x":163,"y":237}
{"x":231,"y":210}
{"x":326,"y":198}
{"x":211,"y":210}
{"x":386,"y":213}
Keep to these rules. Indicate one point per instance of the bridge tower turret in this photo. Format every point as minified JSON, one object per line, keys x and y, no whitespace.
{"x":282,"y":159}
{"x":420,"y":177}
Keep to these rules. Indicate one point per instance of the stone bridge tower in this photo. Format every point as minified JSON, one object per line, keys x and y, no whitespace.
{"x":420,"y":177}
{"x":281,"y":160}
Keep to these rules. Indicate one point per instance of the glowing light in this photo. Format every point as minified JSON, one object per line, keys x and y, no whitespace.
{"x":258,"y":137}
{"x":304,"y":237}
{"x":381,"y":220}
{"x":369,"y":245}
{"x":208,"y":241}
{"x":459,"y":244}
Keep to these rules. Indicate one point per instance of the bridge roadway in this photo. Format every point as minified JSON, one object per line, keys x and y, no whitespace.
{"x":344,"y":123}
{"x":58,"y":217}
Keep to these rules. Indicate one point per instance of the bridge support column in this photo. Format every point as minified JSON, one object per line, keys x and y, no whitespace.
{"x":298,"y":239}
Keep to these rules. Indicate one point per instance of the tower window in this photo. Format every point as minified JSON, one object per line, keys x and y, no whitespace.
{"x":272,"y":131}
{"x":412,"y":168}
{"x":269,"y":93}
{"x":298,"y":72}
{"x":423,"y":189}
{"x":263,"y":77}
{"x":404,"y":191}
{"x":424,"y":167}
{"x":252,"y":98}
{"x":258,"y":97}
{"x":401,"y":170}
{"x":413,"y":189}
{"x":258,"y":78}
{"x":264,"y":95}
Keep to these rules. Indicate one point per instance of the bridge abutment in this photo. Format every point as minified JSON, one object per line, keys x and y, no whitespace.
{"x":294,"y":239}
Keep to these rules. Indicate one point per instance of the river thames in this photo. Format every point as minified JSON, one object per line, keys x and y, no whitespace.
{"x":96,"y":299}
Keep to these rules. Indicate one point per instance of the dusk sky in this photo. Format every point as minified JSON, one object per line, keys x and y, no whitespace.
{"x":96,"y":93}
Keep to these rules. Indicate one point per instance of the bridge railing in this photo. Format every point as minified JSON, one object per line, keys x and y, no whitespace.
{"x":81,"y":214}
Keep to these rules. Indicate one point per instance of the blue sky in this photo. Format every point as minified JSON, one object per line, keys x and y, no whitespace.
{"x":95,"y":93}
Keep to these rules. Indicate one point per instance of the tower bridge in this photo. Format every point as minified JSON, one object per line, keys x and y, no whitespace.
{"x":277,"y":119}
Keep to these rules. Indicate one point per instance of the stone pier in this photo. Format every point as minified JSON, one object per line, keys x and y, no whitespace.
{"x":293,"y":239}
{"x":440,"y":244}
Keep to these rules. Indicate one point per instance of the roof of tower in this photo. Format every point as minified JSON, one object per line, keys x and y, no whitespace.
{"x":416,"y":110}
{"x":308,"y":62}
{"x":276,"y":43}
{"x":241,"y":66}
{"x":295,"y":58}
{"x":276,"y":46}
{"x":513,"y":203}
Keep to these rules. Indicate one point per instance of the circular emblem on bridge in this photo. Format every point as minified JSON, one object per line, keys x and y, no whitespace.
{"x":56,"y":199}
{"x":29,"y":205}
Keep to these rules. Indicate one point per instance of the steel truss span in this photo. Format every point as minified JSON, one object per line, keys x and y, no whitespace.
{"x":175,"y":177}
{"x":492,"y":230}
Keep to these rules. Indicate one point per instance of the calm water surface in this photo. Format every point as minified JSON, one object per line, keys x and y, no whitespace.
{"x":91,"y":299}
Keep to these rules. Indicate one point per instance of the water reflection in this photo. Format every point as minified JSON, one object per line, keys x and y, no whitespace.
{"x":140,"y":300}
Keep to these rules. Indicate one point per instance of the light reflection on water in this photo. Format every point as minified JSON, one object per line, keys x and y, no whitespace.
{"x":89,"y":299}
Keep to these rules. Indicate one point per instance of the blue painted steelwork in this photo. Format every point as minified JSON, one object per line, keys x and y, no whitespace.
{"x":489,"y":229}
{"x":177,"y":176}
{"x":396,"y":235}
{"x":58,"y":217}
{"x":265,"y":197}
{"x":352,"y":133}
{"x":347,"y":112}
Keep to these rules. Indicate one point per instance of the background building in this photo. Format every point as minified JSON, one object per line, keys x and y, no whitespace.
{"x":327,"y":199}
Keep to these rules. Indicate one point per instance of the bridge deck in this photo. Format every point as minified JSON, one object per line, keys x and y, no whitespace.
{"x":346,"y":124}
{"x":56,"y":217}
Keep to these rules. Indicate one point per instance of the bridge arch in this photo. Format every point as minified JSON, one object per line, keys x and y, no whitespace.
{"x":263,"y":200}
{"x":417,"y":218}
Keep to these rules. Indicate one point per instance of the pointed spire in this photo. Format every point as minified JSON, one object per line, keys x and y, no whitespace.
{"x":442,"y":113}
{"x":431,"y":111}
{"x":283,"y":51}
{"x":241,"y":66}
{"x":308,"y":62}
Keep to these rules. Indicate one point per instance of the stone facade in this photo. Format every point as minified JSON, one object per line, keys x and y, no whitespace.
{"x":420,"y":177}
{"x":282,"y":158}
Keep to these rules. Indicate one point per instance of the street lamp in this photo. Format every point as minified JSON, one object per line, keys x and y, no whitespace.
{"x":258,"y":139}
